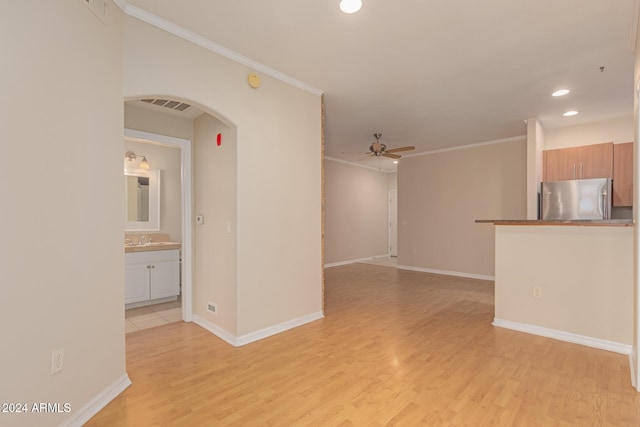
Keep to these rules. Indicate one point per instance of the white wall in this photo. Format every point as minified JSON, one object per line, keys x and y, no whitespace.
{"x":616,"y":130}
{"x":392,"y":181}
{"x":635,"y":361}
{"x":535,"y":148}
{"x":61,"y":205}
{"x":278,"y":224}
{"x":442,"y":194}
{"x":215,"y":195}
{"x":356,"y":212}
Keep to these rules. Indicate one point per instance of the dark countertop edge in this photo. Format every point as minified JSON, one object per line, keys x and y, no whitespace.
{"x":583,"y":223}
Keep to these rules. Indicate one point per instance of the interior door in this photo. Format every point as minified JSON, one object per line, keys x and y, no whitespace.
{"x":393,"y":222}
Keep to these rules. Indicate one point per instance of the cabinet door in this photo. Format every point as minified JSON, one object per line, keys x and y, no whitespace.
{"x":560,"y":164}
{"x":165,"y":279}
{"x":595,"y":161}
{"x":136,"y":279}
{"x":623,"y":174}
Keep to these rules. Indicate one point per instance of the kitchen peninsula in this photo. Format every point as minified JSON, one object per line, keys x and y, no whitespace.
{"x":569,"y":280}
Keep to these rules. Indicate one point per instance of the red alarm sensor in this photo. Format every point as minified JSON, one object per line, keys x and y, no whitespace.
{"x":219,"y":139}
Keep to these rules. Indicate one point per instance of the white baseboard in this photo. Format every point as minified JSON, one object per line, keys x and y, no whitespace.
{"x":353,"y":261}
{"x":216,"y":330}
{"x":276,"y":329}
{"x":447,"y":272}
{"x":149,"y":302}
{"x":564,"y":336}
{"x":257,"y":335}
{"x":96,"y":404}
{"x":633,"y":362}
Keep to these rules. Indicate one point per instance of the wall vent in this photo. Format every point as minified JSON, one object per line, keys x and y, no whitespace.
{"x":172,"y":105}
{"x":212,"y":307}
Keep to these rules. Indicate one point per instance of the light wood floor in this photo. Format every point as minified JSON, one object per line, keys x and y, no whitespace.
{"x":395,"y":348}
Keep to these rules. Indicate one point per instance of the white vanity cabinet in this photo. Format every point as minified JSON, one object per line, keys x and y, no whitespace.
{"x":151,"y":275}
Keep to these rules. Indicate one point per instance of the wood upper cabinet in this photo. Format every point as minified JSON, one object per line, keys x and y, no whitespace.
{"x":560,"y":164}
{"x":596,"y":161}
{"x":585,"y":162}
{"x":623,"y":174}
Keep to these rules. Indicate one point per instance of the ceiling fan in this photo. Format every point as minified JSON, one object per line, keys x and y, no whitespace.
{"x":379,"y":149}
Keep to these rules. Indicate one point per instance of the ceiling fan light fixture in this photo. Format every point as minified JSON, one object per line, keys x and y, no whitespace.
{"x":350,"y":6}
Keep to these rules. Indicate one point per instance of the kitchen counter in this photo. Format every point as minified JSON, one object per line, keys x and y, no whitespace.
{"x":582,"y":222}
{"x":155,"y":246}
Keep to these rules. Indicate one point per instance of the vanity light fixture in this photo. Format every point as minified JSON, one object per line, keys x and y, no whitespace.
{"x":560,"y":92}
{"x":144,"y":164}
{"x":131,"y":156}
{"x":350,"y":6}
{"x":570,"y":113}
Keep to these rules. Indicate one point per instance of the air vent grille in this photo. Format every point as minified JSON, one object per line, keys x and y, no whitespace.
{"x":173,"y":105}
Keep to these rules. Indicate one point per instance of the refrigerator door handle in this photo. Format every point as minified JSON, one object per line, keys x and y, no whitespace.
{"x":605,"y":205}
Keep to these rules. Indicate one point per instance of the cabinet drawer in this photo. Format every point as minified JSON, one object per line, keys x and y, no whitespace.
{"x":151,"y":256}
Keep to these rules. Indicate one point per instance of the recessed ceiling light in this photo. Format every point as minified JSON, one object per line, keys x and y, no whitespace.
{"x":560,"y":92}
{"x":570,"y":113}
{"x":395,"y":162}
{"x":350,"y":6}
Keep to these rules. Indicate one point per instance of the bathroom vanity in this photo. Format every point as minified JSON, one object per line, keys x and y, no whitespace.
{"x":151,"y":276}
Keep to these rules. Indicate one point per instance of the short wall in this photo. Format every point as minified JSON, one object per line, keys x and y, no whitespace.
{"x":585,"y":276}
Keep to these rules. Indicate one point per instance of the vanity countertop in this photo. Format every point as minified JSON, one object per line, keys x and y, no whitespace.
{"x":155,"y":246}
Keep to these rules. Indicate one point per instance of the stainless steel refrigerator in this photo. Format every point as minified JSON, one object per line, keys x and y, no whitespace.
{"x":579,"y":199}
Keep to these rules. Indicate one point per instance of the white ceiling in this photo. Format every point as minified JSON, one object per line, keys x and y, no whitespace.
{"x":432,"y":73}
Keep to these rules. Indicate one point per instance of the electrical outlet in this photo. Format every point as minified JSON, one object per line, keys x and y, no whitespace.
{"x":213,"y":308}
{"x":537,"y":292}
{"x":57,"y":361}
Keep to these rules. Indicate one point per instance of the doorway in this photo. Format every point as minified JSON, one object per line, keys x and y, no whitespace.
{"x":393,"y":223}
{"x":184,"y":146}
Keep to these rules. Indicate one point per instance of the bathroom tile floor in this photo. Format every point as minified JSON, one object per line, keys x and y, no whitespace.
{"x":150,"y":316}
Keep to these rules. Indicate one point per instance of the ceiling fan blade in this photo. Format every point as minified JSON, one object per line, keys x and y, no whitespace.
{"x":366,"y":156}
{"x":392,"y":156}
{"x":407,"y":148}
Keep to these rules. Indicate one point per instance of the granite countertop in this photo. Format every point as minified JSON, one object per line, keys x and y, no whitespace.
{"x":155,"y":246}
{"x":581,"y":222}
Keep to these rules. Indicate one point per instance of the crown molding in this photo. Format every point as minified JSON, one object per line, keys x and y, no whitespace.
{"x":346,"y":162}
{"x":464,"y":147}
{"x":443,"y":150}
{"x":183,"y":33}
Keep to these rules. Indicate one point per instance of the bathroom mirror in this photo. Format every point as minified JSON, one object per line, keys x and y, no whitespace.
{"x":142,"y":196}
